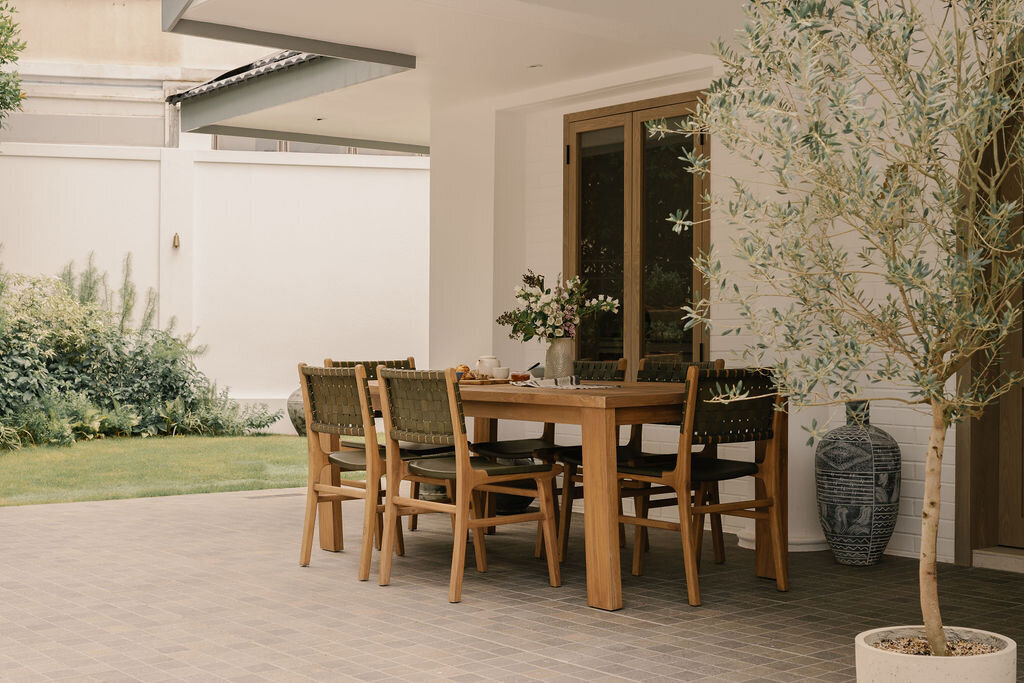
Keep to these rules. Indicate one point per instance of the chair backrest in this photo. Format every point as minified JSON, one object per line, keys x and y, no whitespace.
{"x":419,"y":408}
{"x":371,"y":365}
{"x":601,"y":370}
{"x":670,"y":368}
{"x":332,"y":400}
{"x":748,"y":419}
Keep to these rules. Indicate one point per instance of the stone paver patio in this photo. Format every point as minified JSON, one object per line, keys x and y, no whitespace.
{"x":208,"y":587}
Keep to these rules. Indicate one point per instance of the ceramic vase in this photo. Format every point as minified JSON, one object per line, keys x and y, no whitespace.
{"x":857,"y":476}
{"x":297,"y":412}
{"x":558,"y":361}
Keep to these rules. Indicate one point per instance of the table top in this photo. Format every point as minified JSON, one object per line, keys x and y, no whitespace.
{"x":621,"y":395}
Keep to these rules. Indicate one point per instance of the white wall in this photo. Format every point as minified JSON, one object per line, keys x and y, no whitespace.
{"x":519,"y":180}
{"x":283,"y":257}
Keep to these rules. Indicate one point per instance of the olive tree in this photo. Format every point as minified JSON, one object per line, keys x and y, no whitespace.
{"x":10,"y":46}
{"x":878,"y":233}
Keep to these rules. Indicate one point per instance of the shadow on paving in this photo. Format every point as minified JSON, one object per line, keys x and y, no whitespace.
{"x":208,"y":587}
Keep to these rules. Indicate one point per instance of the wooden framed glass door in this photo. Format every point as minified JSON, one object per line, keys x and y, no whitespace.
{"x":621,"y":184}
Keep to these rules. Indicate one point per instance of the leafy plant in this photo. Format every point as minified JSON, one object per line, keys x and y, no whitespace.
{"x":10,"y":46}
{"x":73,"y":367}
{"x":879,"y":233}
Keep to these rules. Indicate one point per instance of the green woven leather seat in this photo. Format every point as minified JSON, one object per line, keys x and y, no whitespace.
{"x":512,"y":448}
{"x":355,"y":460}
{"x":700,"y":469}
{"x":413,"y":448}
{"x":444,"y":468}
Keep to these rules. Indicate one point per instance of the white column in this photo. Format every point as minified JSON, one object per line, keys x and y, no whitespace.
{"x":176,"y":282}
{"x":805,"y":533}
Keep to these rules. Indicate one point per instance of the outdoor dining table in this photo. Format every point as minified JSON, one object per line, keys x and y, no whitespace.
{"x":600,"y":412}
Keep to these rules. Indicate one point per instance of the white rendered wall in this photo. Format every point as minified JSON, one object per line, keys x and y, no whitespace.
{"x":283,"y":257}
{"x":519,"y":179}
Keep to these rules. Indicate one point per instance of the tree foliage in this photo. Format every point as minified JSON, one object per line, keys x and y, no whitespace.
{"x":879,"y":228}
{"x":10,"y":46}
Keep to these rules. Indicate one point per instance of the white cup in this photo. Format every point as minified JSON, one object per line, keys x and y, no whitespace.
{"x":500,"y":373}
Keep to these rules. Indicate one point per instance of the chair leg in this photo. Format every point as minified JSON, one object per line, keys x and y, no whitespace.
{"x":415,"y":493}
{"x":547,"y":506}
{"x":642,"y":504}
{"x":479,"y":549}
{"x":388,"y":544}
{"x":565,"y":516}
{"x":399,"y":537}
{"x":307,"y":526}
{"x":459,"y":547}
{"x":491,"y":506}
{"x":380,"y":517}
{"x":329,"y":514}
{"x":450,"y":492}
{"x":538,"y":547}
{"x":689,"y":547}
{"x":369,"y":527}
{"x":778,"y":550}
{"x":716,"y":528}
{"x":622,"y":527}
{"x":700,"y":497}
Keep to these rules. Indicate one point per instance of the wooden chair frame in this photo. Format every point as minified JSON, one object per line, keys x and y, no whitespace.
{"x":692,"y":508}
{"x":468,"y":508}
{"x":324,"y":485}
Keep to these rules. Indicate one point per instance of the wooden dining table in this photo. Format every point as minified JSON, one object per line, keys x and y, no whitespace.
{"x":600,"y":412}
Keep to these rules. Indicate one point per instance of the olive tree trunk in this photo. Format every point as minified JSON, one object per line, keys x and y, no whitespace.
{"x":929,"y":533}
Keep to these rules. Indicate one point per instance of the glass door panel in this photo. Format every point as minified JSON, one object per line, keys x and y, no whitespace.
{"x":667,"y":283}
{"x":602,"y":207}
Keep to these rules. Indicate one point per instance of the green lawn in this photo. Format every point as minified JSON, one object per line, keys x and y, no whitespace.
{"x":157,"y":466}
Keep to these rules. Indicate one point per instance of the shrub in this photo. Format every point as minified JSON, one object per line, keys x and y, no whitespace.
{"x":72,"y":367}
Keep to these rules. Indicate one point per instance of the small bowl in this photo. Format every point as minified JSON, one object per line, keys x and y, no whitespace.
{"x":499,"y":373}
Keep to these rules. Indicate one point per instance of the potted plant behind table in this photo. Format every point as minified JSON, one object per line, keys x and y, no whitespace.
{"x":877,"y":240}
{"x":553,"y":315}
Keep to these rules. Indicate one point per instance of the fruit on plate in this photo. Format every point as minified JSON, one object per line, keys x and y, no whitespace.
{"x":462,"y":367}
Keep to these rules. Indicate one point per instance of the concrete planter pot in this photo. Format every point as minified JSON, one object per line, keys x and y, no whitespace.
{"x":875,"y":666}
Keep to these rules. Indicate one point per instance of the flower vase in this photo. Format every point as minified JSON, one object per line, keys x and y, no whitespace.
{"x":558,"y":361}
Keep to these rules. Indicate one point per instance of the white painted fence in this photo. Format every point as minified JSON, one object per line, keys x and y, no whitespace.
{"x":283,"y":257}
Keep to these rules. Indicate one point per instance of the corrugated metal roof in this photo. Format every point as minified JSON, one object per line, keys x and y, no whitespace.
{"x":261,"y":67}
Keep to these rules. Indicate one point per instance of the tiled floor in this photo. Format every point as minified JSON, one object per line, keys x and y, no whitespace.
{"x":208,"y":587}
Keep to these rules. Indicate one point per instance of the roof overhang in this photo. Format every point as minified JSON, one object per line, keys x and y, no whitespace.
{"x":441,"y":53}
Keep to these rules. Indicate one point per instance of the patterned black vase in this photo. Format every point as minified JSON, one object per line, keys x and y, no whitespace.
{"x":297,"y":412}
{"x":857,"y":471}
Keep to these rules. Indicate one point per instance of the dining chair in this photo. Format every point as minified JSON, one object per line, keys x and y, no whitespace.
{"x":337,"y":403}
{"x":758,"y":417}
{"x":425,"y":407}
{"x":371,"y":374}
{"x":571,"y":457}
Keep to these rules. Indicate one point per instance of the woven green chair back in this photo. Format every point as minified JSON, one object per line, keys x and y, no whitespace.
{"x":419,"y":405}
{"x":668,"y":369}
{"x":371,"y":365}
{"x":599,"y":370}
{"x":334,"y":400}
{"x":735,"y":421}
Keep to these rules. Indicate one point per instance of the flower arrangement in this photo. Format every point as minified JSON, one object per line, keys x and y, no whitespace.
{"x":552,"y":313}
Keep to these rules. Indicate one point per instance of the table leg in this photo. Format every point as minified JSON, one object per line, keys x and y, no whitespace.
{"x":486,"y":429}
{"x":601,"y":509}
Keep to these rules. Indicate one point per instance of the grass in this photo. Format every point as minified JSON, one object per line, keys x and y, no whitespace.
{"x":158,"y":466}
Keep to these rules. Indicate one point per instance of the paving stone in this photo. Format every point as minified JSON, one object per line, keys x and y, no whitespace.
{"x":208,"y":587}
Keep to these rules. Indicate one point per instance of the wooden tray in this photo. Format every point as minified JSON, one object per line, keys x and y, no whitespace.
{"x":485,"y":381}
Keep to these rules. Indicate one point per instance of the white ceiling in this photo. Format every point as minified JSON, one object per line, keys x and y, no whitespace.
{"x":467,"y":49}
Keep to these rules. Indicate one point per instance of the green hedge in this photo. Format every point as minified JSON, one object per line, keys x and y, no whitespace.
{"x":73,"y":367}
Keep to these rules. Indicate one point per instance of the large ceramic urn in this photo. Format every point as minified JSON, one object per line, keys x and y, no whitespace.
{"x":857,"y":472}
